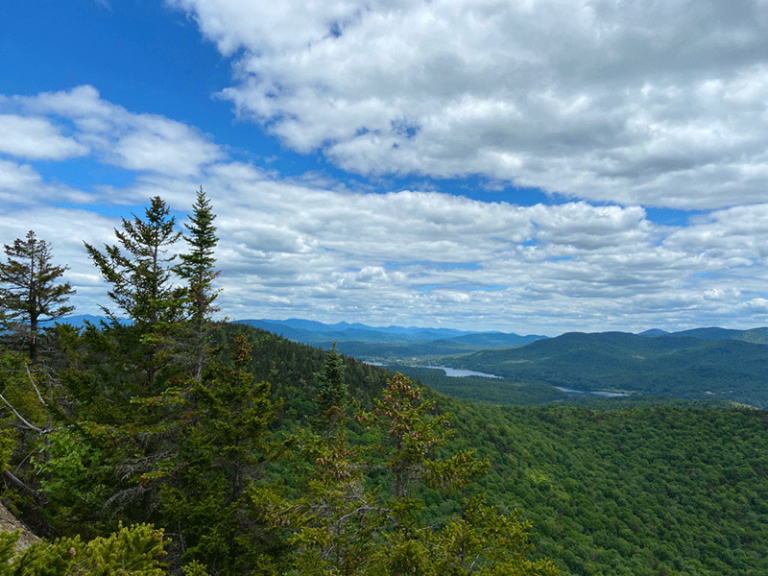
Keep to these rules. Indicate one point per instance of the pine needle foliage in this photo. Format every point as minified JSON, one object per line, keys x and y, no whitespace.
{"x":29,"y":291}
{"x":359,"y":512}
{"x":139,"y":272}
{"x":197,"y":269}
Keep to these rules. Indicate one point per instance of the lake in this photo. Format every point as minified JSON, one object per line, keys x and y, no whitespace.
{"x":591,"y":393}
{"x":458,"y":373}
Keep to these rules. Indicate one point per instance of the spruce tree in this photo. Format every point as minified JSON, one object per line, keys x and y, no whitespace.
{"x":361,"y":511}
{"x":222,"y":450}
{"x":139,"y":271}
{"x":331,"y":394}
{"x":29,"y":292}
{"x":197,"y":269}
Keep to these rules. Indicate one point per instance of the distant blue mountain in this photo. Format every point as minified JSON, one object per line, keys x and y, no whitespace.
{"x":311,"y":332}
{"x":361,"y":341}
{"x":79,"y":320}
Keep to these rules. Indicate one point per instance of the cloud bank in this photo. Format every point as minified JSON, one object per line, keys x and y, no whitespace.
{"x":292,"y":249}
{"x":646,"y":103}
{"x":615,"y":109}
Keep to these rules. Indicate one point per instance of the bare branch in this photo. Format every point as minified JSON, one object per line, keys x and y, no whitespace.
{"x":32,"y":381}
{"x":20,"y":417}
{"x":19,"y":484}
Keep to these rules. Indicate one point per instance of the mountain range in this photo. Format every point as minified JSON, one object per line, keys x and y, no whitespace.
{"x":708,"y":364}
{"x":701,"y":364}
{"x":324,"y":335}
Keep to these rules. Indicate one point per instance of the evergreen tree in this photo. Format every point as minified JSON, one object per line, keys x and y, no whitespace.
{"x":222,"y":449}
{"x":139,"y":271}
{"x":331,"y":394}
{"x":361,"y":512}
{"x":135,"y":550}
{"x":197,"y":269}
{"x":29,"y":294}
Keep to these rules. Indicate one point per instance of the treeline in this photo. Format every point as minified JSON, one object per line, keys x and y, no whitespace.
{"x":168,"y":443}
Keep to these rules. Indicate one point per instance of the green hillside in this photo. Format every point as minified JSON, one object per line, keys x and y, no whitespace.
{"x":641,"y":491}
{"x":661,"y":491}
{"x":731,"y":370}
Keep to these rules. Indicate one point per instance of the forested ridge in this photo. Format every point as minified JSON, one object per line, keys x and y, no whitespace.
{"x":159,"y":441}
{"x":173,"y":444}
{"x":634,"y":491}
{"x":675,"y":366}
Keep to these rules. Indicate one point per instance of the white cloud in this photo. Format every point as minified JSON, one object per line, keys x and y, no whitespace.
{"x":657,"y":104}
{"x":427,"y":258}
{"x":302,"y":248}
{"x":17,"y":178}
{"x":140,"y":142}
{"x":36,"y":139}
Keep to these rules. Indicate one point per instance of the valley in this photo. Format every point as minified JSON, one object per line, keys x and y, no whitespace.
{"x":708,"y":366}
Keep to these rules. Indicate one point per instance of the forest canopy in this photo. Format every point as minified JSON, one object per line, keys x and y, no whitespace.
{"x":159,"y":440}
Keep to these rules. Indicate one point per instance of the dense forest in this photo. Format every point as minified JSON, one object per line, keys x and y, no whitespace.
{"x":677,"y":366}
{"x":172,"y":444}
{"x":158,"y":441}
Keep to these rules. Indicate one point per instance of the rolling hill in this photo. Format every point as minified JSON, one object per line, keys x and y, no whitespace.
{"x":673,"y":365}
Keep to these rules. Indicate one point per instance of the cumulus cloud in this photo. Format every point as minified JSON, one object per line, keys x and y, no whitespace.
{"x":429,"y":258}
{"x":17,"y":178}
{"x":656,"y":104}
{"x":36,"y":139}
{"x":302,"y":248}
{"x":140,"y":142}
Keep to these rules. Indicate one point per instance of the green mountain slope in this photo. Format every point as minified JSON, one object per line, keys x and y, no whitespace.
{"x":656,"y":491}
{"x":660,"y":491}
{"x":731,"y":370}
{"x":644,"y":491}
{"x":754,"y":335}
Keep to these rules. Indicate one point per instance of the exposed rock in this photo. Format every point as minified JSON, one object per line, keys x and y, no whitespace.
{"x":9,"y":523}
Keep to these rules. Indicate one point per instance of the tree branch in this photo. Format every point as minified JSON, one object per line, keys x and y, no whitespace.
{"x":20,"y":417}
{"x":32,"y":381}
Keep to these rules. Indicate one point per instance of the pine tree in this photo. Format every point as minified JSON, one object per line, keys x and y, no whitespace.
{"x":139,"y":271}
{"x":29,"y":294}
{"x":197,"y":268}
{"x":140,"y":277}
{"x":136,"y":550}
{"x":348,"y":521}
{"x":221,"y":451}
{"x":331,"y":394}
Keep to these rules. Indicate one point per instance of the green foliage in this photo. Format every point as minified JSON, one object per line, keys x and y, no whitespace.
{"x":630,"y":491}
{"x":220,"y":452}
{"x":331,"y":393}
{"x":139,"y":272}
{"x":136,"y":550}
{"x":480,"y":541}
{"x":635,"y":491}
{"x":26,"y":421}
{"x":29,"y":293}
{"x":359,"y":509}
{"x":66,"y":471}
{"x":197,"y":269}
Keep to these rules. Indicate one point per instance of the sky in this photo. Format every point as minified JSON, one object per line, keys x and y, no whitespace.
{"x":527,"y":166}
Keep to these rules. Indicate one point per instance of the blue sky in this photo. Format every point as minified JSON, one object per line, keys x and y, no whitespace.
{"x":530,"y":167}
